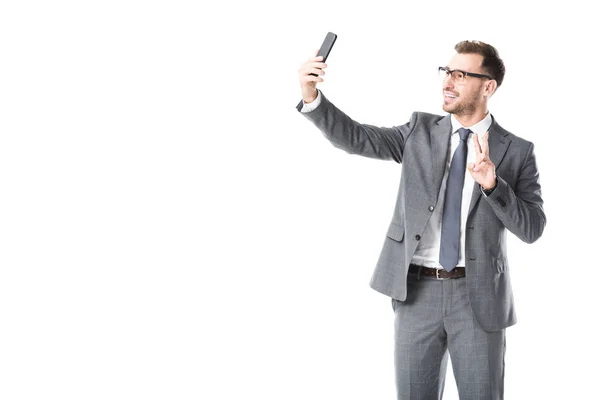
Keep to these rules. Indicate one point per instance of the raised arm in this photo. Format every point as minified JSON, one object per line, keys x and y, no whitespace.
{"x":520,"y":208}
{"x":341,"y":130}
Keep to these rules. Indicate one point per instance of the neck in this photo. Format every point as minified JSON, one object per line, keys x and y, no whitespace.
{"x":471,"y":119}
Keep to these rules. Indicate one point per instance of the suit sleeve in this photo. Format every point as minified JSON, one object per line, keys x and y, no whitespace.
{"x":521,"y":209}
{"x":356,"y":138}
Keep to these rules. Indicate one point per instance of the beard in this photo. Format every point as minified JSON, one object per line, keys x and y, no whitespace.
{"x":462,"y":105}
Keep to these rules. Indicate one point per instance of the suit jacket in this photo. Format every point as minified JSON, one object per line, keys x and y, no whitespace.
{"x":421,"y":146}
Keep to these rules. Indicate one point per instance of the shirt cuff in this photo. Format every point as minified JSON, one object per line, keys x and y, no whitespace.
{"x":487,"y":193}
{"x":308,"y":107}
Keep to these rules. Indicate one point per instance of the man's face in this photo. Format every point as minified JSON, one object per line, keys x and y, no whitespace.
{"x":464,"y":98}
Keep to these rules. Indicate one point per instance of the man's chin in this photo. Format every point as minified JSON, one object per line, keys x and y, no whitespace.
{"x":448,"y":108}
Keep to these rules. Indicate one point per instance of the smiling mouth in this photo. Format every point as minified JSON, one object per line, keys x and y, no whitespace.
{"x":450,"y":96}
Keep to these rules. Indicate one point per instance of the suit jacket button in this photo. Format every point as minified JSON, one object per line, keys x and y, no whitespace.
{"x":430,"y":208}
{"x":418,"y":237}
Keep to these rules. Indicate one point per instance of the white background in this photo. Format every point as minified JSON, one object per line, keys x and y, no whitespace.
{"x":172,"y":228}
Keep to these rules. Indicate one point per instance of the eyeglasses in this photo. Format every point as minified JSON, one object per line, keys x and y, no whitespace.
{"x":459,"y":76}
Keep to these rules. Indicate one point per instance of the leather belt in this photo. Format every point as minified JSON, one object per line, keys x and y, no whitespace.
{"x":458,"y":272}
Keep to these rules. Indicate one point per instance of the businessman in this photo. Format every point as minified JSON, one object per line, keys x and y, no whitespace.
{"x":465,"y":182}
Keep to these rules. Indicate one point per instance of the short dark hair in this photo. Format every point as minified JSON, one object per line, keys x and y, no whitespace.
{"x":492,"y":64}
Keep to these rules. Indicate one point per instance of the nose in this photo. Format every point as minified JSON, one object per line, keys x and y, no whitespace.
{"x":448,"y":82}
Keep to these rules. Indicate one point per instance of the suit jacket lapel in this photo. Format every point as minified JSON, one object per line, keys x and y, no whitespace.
{"x":498,"y":145}
{"x":440,"y":142}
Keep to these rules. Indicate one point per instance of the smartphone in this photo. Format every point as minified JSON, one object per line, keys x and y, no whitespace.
{"x":326,"y":46}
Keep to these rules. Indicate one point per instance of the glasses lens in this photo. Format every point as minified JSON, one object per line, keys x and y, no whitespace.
{"x":443,"y":73}
{"x":458,"y":76}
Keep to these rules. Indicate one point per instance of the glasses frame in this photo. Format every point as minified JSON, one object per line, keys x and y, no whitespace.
{"x":449,"y":72}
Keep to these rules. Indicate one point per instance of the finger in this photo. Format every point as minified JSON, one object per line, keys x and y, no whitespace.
{"x":315,"y":71}
{"x":484,"y":144}
{"x":318,"y":65}
{"x":470,"y":166}
{"x":310,"y":78}
{"x":314,"y":55}
{"x":314,"y":58}
{"x":481,"y":166}
{"x":476,"y":144}
{"x":308,"y":67}
{"x":479,"y":157}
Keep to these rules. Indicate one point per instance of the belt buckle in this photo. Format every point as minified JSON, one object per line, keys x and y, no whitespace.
{"x":437,"y":273}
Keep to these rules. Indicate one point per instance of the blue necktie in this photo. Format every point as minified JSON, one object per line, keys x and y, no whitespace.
{"x":452,"y":204}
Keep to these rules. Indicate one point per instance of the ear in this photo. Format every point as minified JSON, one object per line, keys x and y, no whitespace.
{"x":490,"y":88}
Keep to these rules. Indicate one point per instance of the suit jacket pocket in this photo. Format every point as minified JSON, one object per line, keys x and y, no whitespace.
{"x":396,"y":232}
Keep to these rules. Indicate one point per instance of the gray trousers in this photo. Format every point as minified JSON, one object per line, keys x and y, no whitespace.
{"x":436,"y":319}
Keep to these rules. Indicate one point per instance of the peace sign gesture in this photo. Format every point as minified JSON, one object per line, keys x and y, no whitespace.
{"x":483,"y":169}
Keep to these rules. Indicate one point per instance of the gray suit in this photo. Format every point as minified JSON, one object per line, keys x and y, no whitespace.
{"x":421,"y":146}
{"x":465,"y":317}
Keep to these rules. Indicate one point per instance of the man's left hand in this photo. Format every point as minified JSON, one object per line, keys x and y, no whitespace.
{"x":483,"y":169}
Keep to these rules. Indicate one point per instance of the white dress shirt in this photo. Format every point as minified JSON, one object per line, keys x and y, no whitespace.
{"x":428,"y":249}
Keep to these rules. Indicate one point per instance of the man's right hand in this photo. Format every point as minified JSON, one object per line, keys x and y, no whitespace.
{"x":308,"y":83}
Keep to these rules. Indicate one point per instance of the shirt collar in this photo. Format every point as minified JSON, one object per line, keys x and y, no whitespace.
{"x":480,"y":128}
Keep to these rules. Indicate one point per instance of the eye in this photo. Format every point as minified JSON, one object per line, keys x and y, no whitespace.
{"x":458,"y":75}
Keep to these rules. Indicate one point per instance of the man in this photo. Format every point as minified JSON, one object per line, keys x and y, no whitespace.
{"x":444,"y":260}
